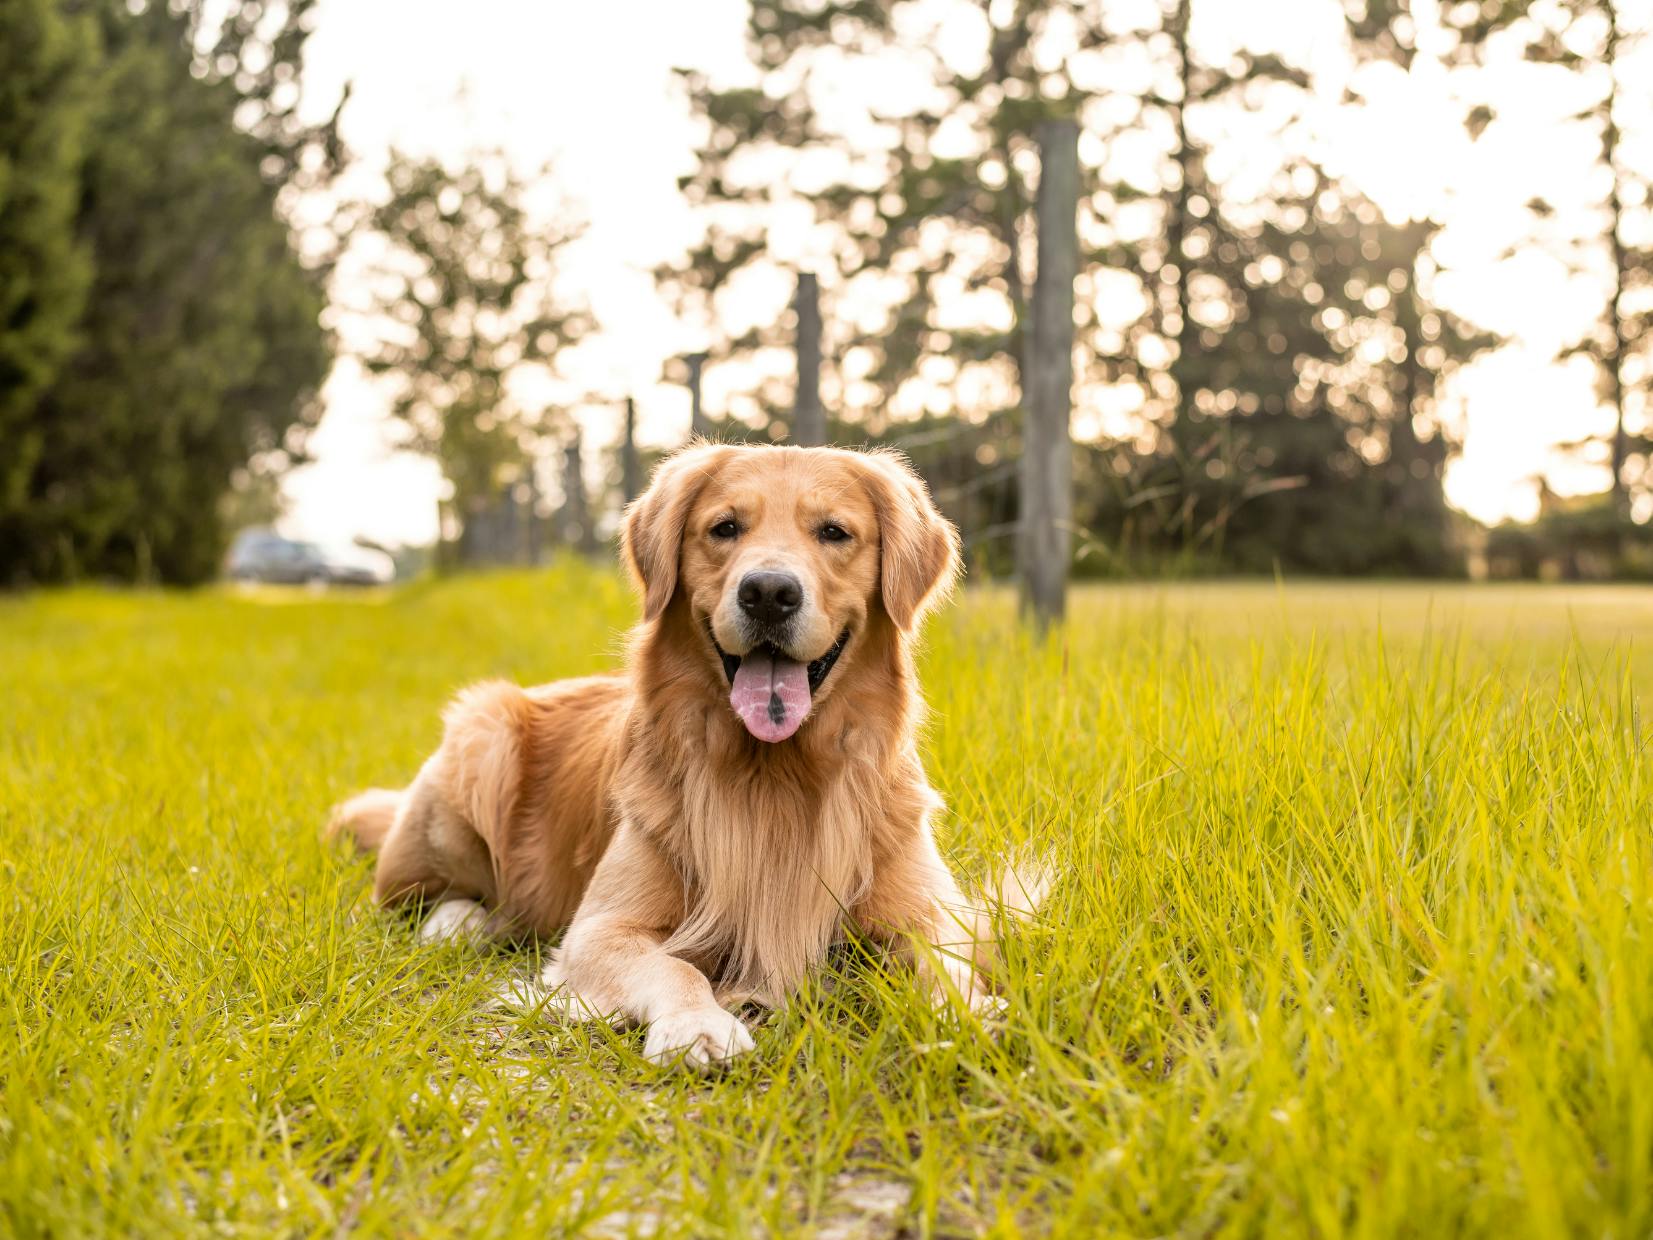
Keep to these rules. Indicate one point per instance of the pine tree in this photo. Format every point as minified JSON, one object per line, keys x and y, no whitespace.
{"x":200,"y":343}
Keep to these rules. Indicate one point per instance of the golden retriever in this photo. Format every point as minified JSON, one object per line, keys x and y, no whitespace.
{"x":707,"y":822}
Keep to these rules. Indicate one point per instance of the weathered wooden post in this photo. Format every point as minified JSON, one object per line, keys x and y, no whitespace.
{"x":576,"y":522}
{"x":532,"y":546}
{"x":808,"y":418}
{"x":631,"y":484}
{"x":1047,"y":381}
{"x":508,"y":528}
{"x":699,"y":425}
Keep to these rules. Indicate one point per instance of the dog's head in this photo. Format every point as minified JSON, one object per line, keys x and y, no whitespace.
{"x":783,"y":557}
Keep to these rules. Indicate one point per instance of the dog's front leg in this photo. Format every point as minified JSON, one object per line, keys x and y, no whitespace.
{"x":915,"y":908}
{"x":613,"y":960}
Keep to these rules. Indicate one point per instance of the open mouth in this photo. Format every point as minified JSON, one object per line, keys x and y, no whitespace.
{"x":771,"y":691}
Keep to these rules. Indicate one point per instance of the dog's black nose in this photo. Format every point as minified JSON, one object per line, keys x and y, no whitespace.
{"x":769,"y":598}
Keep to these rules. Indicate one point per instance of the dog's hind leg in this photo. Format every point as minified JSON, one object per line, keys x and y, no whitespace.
{"x":440,"y":844}
{"x":432,"y":854}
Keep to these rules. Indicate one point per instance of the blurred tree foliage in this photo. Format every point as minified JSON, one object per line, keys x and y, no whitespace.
{"x":1596,"y":41}
{"x":466,"y":291}
{"x":1575,"y":538}
{"x":44,"y":58}
{"x":257,"y":47}
{"x":1259,"y":355}
{"x":198,"y":344}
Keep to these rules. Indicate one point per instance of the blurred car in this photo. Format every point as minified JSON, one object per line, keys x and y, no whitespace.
{"x":262,"y":555}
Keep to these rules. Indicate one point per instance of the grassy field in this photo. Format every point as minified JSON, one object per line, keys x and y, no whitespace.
{"x":1353,"y":934}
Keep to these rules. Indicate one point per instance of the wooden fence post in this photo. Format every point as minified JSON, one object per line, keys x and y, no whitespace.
{"x":699,"y":425}
{"x":808,"y":418}
{"x":532,"y":546}
{"x":576,"y":522}
{"x":1046,"y":498}
{"x":508,"y":532}
{"x":630,"y":483}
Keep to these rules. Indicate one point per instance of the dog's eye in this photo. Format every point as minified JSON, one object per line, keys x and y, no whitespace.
{"x":832,"y":533}
{"x":725,"y":529}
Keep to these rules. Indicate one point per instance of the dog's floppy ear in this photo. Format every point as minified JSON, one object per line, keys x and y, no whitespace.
{"x":651,"y":535}
{"x":918,"y":547}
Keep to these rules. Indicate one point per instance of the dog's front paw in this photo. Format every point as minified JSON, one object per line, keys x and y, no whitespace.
{"x":701,"y":1038}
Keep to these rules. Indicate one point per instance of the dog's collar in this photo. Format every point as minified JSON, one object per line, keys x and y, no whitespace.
{"x":818,"y":668}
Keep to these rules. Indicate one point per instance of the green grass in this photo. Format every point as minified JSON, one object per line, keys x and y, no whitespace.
{"x":1353,"y":934}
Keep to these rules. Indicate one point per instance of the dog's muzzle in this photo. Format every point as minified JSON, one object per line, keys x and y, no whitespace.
{"x":771,"y":691}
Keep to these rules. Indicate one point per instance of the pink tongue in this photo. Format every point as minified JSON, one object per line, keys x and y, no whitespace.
{"x":771,"y":695}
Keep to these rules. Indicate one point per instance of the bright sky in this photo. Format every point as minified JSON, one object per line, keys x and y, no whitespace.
{"x":588,"y":86}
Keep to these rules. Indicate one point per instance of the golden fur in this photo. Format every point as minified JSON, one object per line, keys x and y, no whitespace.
{"x":694,"y":865}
